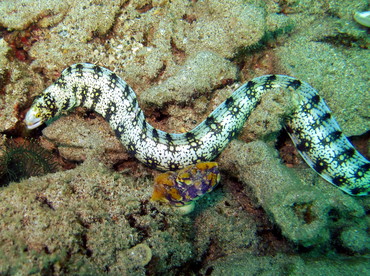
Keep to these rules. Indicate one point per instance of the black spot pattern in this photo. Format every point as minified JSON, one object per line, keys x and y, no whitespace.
{"x":339,"y":180}
{"x":229,"y":102}
{"x":304,"y":145}
{"x":348,"y":153}
{"x":315,"y":100}
{"x":151,"y":162}
{"x":249,"y":90}
{"x":250,"y":85}
{"x":67,"y":71}
{"x":190,"y":136}
{"x":119,"y":130}
{"x":310,"y":104}
{"x":169,"y":139}
{"x":332,"y":137}
{"x":209,"y":121}
{"x":232,"y":134}
{"x":61,"y":82}
{"x":321,"y":165}
{"x":49,"y":105}
{"x":295,"y":84}
{"x":84,"y":93}
{"x":362,"y":170}
{"x":213,"y":125}
{"x":131,"y":149}
{"x":79,"y":72}
{"x":113,"y":79}
{"x":134,"y":103}
{"x":96,"y":94}
{"x":173,"y":166}
{"x":234,"y":110}
{"x":269,"y":81}
{"x":98,"y":72}
{"x":321,"y":120}
{"x":155,"y":134}
{"x":75,"y":90}
{"x":66,"y":103}
{"x":358,"y":190}
{"x":325,"y":117}
{"x":110,"y":111}
{"x":126,"y":91}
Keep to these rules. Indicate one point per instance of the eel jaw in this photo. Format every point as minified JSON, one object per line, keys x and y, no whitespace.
{"x":32,"y":120}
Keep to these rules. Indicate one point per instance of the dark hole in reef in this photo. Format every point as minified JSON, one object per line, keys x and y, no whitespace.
{"x":88,"y":251}
{"x":145,"y":8}
{"x":334,"y":214}
{"x":44,"y":201}
{"x":345,"y":40}
{"x":304,"y":212}
{"x":209,"y":270}
{"x":287,"y":150}
{"x":143,"y":230}
{"x":361,"y":143}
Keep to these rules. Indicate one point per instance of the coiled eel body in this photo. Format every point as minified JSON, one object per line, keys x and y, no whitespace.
{"x":311,"y":126}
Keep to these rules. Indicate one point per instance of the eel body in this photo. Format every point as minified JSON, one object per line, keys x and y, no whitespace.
{"x":311,"y":125}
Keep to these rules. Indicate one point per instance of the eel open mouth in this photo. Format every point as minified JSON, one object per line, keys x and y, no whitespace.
{"x":31,"y":120}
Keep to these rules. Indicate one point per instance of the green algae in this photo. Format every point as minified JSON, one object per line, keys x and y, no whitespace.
{"x":20,"y":160}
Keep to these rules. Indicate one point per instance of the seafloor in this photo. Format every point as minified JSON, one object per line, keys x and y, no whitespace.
{"x":270,"y":215}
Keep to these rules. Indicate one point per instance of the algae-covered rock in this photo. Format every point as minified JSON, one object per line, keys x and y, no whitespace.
{"x":344,"y":9}
{"x":307,"y":214}
{"x":81,"y":220}
{"x":243,"y":24}
{"x":4,"y":49}
{"x":90,"y":138}
{"x":356,"y":239}
{"x":224,"y":228}
{"x":81,"y":18}
{"x":197,"y":76}
{"x":18,"y":84}
{"x":281,"y":264}
{"x":19,"y":15}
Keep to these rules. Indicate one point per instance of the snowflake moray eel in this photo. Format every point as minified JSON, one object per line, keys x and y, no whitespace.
{"x":311,"y":126}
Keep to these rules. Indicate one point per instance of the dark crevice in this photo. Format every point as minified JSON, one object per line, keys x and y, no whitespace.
{"x":345,"y":40}
{"x":4,"y":80}
{"x":178,"y":54}
{"x":133,"y":220}
{"x":110,"y":33}
{"x":145,"y":8}
{"x":271,"y":239}
{"x":159,"y":74}
{"x":44,"y":201}
{"x":190,"y":18}
{"x":361,"y":143}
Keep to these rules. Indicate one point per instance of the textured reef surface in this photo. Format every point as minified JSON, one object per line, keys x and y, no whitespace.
{"x":270,"y":212}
